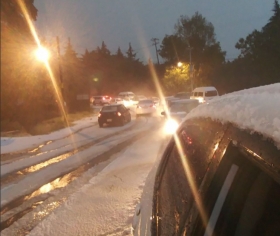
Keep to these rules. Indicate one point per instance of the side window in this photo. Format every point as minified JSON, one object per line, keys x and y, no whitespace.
{"x":184,"y":169}
{"x":241,"y":200}
{"x":200,"y":94}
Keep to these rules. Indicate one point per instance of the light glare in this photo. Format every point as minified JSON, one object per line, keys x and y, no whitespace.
{"x":171,"y":126}
{"x":42,"y":54}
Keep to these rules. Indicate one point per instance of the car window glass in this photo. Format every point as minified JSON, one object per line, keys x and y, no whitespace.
{"x":211,"y":93}
{"x":175,"y":196}
{"x":109,"y":108}
{"x":200,"y":94}
{"x":241,"y":200}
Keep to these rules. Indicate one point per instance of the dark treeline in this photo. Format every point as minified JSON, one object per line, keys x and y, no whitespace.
{"x":28,"y":95}
{"x":258,"y":63}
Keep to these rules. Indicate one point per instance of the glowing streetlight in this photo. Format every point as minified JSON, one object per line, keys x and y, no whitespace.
{"x":179,"y":64}
{"x":42,"y":54}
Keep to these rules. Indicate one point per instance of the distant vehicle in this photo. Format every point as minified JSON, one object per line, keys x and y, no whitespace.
{"x":145,"y":107}
{"x":126,"y":95}
{"x":116,"y":100}
{"x":204,"y":94}
{"x":156,"y":100}
{"x":114,"y":114}
{"x":141,"y":97}
{"x":183,"y":95}
{"x":220,"y":173}
{"x":101,"y":100}
{"x":177,"y":112}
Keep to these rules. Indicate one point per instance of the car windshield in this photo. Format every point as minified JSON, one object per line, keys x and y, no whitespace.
{"x":182,"y":107}
{"x":109,"y":108}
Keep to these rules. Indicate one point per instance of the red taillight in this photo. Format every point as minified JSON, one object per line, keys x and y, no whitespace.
{"x":119,"y":114}
{"x":99,"y":114}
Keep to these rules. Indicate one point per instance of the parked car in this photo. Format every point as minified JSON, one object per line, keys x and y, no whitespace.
{"x":114,"y":114}
{"x":101,"y":100}
{"x":204,"y":94}
{"x":145,"y":107}
{"x":220,"y":172}
{"x":177,"y":112}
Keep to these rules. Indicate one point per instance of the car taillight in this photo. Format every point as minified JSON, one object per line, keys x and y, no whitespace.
{"x":119,"y":114}
{"x":99,"y":114}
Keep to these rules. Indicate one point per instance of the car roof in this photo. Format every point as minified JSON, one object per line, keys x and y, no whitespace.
{"x":185,"y":100}
{"x":253,"y":109}
{"x":202,"y":89}
{"x":146,"y":100}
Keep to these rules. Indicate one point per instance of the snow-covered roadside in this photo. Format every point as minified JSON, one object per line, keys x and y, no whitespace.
{"x":36,"y":179}
{"x":13,"y":144}
{"x":105,"y":205}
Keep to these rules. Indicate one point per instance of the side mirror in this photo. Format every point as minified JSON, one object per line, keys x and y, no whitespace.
{"x":163,"y":113}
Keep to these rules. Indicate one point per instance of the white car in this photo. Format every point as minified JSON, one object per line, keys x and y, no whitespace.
{"x":145,"y":107}
{"x":220,"y":173}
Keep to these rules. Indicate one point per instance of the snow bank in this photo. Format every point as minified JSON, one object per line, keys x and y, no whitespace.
{"x":256,"y":109}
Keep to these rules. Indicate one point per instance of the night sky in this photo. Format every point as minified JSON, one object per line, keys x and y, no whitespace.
{"x":118,"y":22}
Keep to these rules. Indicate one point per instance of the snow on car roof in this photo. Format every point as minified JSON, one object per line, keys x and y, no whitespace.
{"x":199,"y":89}
{"x":256,"y":109}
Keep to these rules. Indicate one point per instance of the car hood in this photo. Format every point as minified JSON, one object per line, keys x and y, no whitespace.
{"x":179,"y":116}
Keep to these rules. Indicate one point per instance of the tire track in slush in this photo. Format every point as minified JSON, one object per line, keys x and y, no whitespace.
{"x":36,"y":197}
{"x":21,"y":173}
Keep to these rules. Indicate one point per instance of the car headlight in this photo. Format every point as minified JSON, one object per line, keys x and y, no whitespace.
{"x":171,"y":126}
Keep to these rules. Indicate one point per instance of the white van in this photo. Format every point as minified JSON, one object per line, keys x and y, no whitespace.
{"x":204,"y":94}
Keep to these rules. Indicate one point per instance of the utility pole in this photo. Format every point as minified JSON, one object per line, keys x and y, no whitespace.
{"x":155,"y":40}
{"x":190,"y":69}
{"x":60,"y":73}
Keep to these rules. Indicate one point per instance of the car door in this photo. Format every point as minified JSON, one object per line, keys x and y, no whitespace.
{"x":180,"y":174}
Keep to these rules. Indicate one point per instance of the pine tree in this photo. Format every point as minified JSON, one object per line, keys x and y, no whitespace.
{"x":130,"y":53}
{"x":104,"y":50}
{"x":119,"y":53}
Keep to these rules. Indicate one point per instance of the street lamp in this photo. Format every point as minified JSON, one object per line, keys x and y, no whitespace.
{"x":179,"y":64}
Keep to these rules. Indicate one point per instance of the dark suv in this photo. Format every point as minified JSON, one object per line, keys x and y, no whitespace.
{"x":220,"y":172}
